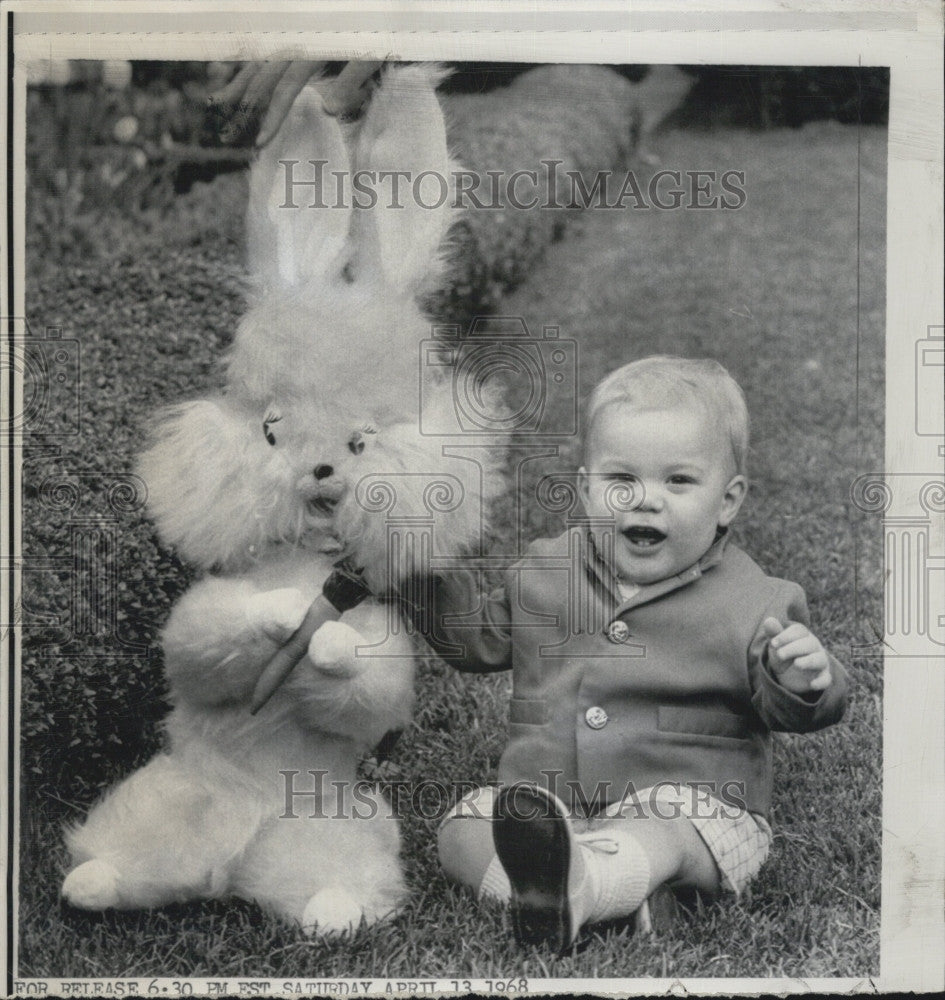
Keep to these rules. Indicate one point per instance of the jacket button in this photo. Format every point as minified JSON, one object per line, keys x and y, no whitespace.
{"x":596,"y":717}
{"x":619,"y":631}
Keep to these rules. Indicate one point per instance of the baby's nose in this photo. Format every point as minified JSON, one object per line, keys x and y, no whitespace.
{"x":322,"y":472}
{"x":651,"y":499}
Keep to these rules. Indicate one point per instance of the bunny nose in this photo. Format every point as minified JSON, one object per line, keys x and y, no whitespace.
{"x":323,"y":471}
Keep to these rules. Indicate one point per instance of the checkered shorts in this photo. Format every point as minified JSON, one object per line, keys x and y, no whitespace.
{"x":738,"y":840}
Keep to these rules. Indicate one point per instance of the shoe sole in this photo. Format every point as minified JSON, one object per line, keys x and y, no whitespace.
{"x":531,"y":839}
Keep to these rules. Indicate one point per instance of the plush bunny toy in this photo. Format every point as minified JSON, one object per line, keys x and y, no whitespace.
{"x":315,"y":449}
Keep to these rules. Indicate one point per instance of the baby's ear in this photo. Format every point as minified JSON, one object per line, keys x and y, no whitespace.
{"x":583,"y":486}
{"x":732,"y":501}
{"x":403,"y":140}
{"x":296,"y":225}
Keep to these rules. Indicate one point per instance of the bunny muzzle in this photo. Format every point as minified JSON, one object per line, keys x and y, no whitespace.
{"x":321,"y":490}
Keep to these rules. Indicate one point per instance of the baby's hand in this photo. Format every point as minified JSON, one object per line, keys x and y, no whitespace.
{"x":796,"y":656}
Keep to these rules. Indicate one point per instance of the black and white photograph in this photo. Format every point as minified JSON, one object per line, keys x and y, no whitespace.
{"x":473,"y":499}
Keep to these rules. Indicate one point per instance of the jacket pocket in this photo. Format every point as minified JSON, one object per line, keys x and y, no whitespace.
{"x":693,"y":720}
{"x":529,"y":711}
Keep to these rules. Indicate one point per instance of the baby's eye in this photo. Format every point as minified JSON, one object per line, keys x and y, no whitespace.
{"x":621,"y":477}
{"x":358,"y":440}
{"x":681,"y":480}
{"x":271,"y":419}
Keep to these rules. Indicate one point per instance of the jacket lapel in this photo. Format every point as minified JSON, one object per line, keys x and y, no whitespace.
{"x":603,"y":577}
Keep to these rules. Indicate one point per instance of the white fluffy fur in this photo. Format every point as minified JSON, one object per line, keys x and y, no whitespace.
{"x":327,"y":363}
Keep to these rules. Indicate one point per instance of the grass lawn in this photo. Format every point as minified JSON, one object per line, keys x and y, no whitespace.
{"x":788,"y":293}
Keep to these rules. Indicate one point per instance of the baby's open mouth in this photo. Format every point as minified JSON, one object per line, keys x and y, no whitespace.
{"x":643,"y":536}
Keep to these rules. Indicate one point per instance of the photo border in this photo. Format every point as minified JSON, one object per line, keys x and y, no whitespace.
{"x":907,"y":38}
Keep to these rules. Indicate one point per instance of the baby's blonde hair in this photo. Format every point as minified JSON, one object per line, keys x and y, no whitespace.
{"x":664,"y":381}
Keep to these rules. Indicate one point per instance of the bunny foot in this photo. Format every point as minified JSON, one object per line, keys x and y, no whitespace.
{"x":92,"y":886}
{"x":333,"y":649}
{"x":331,"y":911}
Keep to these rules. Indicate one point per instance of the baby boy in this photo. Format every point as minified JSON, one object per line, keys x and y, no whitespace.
{"x":651,"y":660}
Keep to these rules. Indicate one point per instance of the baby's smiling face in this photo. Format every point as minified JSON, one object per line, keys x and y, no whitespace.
{"x":667,"y":477}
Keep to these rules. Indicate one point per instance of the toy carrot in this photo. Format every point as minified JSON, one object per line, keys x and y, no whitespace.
{"x":343,"y":589}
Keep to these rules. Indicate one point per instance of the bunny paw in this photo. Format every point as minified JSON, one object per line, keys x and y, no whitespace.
{"x":333,"y":649}
{"x":278,"y":613}
{"x":92,"y":886}
{"x":331,"y":911}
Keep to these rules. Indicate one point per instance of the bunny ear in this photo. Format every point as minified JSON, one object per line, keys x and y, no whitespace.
{"x":404,"y":134}
{"x":296,"y":225}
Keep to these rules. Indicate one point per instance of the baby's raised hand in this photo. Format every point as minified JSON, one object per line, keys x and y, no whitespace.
{"x":796,"y":656}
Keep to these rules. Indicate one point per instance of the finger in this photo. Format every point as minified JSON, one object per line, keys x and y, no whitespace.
{"x":816,"y":661}
{"x":261,"y":87}
{"x":289,"y":87}
{"x":247,"y":112}
{"x":348,"y":92}
{"x":822,"y":680}
{"x":235,"y":89}
{"x":804,"y":646}
{"x":772,"y":627}
{"x":791,"y":633}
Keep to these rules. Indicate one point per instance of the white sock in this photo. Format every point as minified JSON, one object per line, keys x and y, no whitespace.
{"x":495,"y":883}
{"x":617,"y":875}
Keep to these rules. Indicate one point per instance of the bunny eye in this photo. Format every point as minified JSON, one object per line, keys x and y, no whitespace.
{"x":358,"y":440}
{"x":272,"y":418}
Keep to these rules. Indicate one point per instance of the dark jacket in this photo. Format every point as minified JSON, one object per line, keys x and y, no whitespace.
{"x":671,"y":685}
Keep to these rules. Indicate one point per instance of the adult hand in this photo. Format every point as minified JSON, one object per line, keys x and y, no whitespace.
{"x":267,"y":90}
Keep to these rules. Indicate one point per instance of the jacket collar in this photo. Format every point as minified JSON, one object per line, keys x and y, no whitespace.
{"x":601,"y":572}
